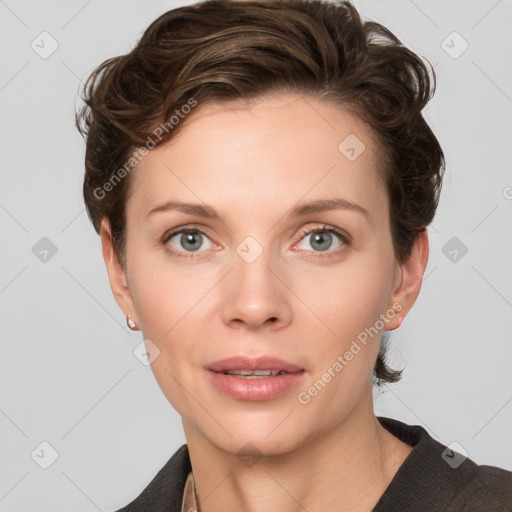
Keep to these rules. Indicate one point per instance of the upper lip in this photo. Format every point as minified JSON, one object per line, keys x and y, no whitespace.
{"x":256,"y":363}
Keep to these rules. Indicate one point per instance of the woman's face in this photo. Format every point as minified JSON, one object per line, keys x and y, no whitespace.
{"x":249,"y":280}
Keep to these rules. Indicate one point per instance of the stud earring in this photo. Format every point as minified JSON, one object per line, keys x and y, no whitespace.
{"x":131,"y":324}
{"x":400,"y":320}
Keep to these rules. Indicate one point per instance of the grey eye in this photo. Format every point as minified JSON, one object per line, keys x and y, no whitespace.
{"x":189,"y":241}
{"x":320,"y":241}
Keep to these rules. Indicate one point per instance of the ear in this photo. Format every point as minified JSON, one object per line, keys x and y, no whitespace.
{"x":409,"y":285}
{"x":116,"y":273}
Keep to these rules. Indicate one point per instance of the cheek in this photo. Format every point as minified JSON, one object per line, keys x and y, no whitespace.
{"x":165,"y":303}
{"x":346,"y":299}
{"x":164,"y":290}
{"x":175,"y":310}
{"x":347,"y":304}
{"x":170,"y":308}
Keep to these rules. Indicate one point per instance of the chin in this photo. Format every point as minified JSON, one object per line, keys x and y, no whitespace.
{"x":259,"y":433}
{"x":254,"y":445}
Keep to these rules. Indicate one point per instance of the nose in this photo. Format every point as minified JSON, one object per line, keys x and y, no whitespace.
{"x":255,"y":297}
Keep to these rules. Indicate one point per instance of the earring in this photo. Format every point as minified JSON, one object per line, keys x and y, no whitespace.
{"x":131,"y":324}
{"x":400,"y":320}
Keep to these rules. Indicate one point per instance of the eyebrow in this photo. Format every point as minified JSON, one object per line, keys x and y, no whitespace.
{"x":300,"y":210}
{"x":191,"y":208}
{"x":323,"y":205}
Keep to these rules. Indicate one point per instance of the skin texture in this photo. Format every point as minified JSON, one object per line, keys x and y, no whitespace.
{"x":253,"y":163}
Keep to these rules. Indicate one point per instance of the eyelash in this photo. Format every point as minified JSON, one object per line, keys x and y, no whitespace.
{"x":344,"y":237}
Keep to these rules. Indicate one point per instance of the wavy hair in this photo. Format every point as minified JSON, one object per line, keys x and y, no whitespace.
{"x":225,"y":50}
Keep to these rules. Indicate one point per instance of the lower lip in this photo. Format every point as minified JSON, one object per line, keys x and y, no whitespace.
{"x":255,"y":389}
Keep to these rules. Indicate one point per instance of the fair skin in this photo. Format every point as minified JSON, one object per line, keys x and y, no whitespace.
{"x":253,"y":163}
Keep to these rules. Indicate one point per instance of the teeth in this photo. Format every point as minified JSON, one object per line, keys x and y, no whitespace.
{"x":253,"y":374}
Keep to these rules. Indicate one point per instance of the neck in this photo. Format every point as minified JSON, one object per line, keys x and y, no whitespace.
{"x":344,"y":469}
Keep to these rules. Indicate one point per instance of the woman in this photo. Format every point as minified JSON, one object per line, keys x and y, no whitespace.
{"x":262,"y":178}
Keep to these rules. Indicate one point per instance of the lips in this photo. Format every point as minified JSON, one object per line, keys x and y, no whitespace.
{"x":254,"y":379}
{"x":253,"y":367}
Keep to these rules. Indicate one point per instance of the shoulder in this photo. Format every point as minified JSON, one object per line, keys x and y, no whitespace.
{"x":483,"y":489}
{"x":435,"y":477}
{"x":164,"y":493}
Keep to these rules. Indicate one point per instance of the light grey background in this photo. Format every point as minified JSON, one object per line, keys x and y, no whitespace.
{"x":68,"y":375}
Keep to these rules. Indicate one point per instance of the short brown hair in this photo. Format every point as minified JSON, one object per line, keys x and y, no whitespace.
{"x":225,"y":50}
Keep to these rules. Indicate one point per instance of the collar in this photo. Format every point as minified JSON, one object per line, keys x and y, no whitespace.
{"x":190,"y":502}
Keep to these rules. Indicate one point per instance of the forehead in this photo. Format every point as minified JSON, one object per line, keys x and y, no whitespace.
{"x":283,"y":147}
